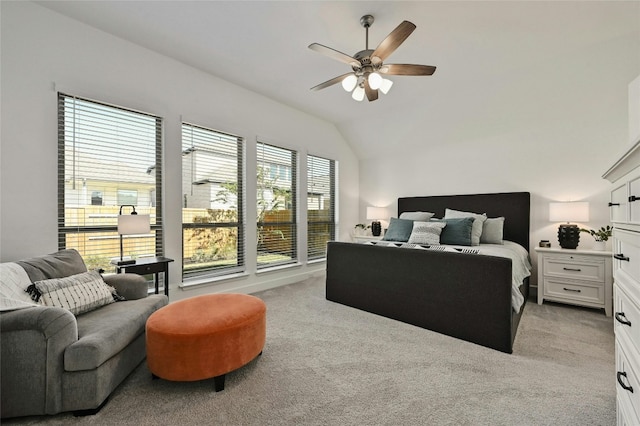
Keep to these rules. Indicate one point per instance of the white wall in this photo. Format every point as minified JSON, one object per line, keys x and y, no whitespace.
{"x":43,"y":51}
{"x":634,"y":111}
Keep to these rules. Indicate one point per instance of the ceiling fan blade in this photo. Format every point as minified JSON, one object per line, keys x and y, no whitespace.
{"x":331,"y":82}
{"x":332,"y":53}
{"x":393,"y":40}
{"x":372,"y":94}
{"x":407,"y":69}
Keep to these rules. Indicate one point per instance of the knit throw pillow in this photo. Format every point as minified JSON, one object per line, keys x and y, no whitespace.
{"x":427,"y":233}
{"x":77,"y":293}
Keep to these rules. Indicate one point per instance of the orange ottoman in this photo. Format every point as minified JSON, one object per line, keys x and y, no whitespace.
{"x":205,"y":336}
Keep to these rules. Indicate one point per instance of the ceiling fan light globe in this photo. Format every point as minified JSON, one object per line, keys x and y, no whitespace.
{"x":358,"y":94}
{"x":349,"y":82}
{"x":375,"y":80}
{"x":385,"y":86}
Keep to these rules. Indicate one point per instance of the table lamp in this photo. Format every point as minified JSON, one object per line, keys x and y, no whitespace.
{"x":129,"y":225}
{"x":375,"y":214}
{"x":568,"y":233}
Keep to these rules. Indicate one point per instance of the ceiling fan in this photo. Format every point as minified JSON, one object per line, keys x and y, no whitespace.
{"x":368,"y":65}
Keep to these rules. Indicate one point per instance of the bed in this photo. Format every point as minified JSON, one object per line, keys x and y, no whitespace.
{"x":466,"y":296}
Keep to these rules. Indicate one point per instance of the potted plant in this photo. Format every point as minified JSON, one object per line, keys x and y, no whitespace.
{"x":601,"y":236}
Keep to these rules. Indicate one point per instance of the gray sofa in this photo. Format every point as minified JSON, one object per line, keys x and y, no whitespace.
{"x":53,"y":361}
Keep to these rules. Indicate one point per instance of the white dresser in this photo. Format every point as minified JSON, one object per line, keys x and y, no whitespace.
{"x":625,"y":216}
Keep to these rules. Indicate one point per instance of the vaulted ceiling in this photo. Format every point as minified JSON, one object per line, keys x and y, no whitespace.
{"x":492,"y":57}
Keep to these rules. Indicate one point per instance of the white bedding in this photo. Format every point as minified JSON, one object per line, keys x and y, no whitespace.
{"x":521,"y":266}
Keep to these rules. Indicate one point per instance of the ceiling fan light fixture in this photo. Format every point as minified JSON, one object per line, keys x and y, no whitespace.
{"x":385,"y":86}
{"x":375,"y":80}
{"x":367,"y":66}
{"x":349,"y":82}
{"x":358,"y":94}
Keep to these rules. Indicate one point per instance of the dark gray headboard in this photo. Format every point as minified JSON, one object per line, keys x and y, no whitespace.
{"x":514,"y":206}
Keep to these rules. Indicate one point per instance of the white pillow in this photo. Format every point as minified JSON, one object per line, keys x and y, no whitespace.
{"x":421,"y":216}
{"x":77,"y":293}
{"x":426,"y":233}
{"x":478,"y":221}
{"x":493,"y":231}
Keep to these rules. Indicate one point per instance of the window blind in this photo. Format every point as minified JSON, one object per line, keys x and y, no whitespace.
{"x":277,"y":205}
{"x":213,"y":197}
{"x":107,"y":156}
{"x":321,"y":193}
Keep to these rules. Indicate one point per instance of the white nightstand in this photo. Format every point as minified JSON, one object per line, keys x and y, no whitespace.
{"x":365,"y":238}
{"x":577,"y":277}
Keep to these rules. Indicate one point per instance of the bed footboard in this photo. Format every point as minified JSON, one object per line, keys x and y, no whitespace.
{"x":466,"y":296}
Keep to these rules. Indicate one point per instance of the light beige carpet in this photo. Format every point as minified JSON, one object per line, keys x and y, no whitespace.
{"x":328,"y":364}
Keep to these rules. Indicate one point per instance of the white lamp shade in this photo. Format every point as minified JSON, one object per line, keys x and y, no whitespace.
{"x":385,"y":85}
{"x":129,"y":224}
{"x":376,"y":213}
{"x":349,"y":82}
{"x":375,"y":80}
{"x":569,"y":212}
{"x":358,"y":94}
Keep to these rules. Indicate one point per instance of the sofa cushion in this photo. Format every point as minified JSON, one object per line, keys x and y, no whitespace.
{"x":129,"y":286}
{"x":106,"y":331}
{"x":78,"y":293}
{"x":56,"y":265}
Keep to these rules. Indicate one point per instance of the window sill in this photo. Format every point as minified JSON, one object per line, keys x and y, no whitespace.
{"x":197,"y":282}
{"x":311,"y":262}
{"x":278,"y":268}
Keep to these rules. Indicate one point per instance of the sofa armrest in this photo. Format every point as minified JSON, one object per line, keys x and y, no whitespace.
{"x":129,"y":286}
{"x":32,"y":351}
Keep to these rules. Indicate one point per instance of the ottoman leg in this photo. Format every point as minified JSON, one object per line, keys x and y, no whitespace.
{"x":218,"y":383}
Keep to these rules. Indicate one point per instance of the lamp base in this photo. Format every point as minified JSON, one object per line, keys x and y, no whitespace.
{"x":376,"y":229}
{"x":126,"y":262}
{"x":568,"y":236}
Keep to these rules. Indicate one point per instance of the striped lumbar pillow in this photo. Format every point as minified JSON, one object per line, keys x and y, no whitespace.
{"x":77,"y":293}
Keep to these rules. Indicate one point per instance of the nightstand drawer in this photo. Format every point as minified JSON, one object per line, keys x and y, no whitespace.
{"x":579,"y":292}
{"x":627,"y":317}
{"x":574,"y":268}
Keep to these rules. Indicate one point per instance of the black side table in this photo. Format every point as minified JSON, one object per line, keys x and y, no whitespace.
{"x":149,"y":265}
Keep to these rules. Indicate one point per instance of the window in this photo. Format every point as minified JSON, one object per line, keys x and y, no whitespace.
{"x":111,"y":148}
{"x":321,"y":193}
{"x":277,"y":204}
{"x":127,"y":197}
{"x":213,"y":197}
{"x":96,"y":198}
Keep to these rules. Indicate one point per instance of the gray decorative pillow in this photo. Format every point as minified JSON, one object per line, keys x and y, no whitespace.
{"x":426,"y":233}
{"x":421,"y":216}
{"x":399,"y":230}
{"x":478,"y":220}
{"x":457,"y":232}
{"x":492,"y":231}
{"x":77,"y":293}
